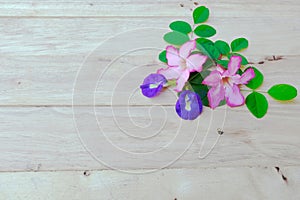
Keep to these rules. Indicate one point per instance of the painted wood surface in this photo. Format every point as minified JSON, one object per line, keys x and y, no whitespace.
{"x":46,"y":138}
{"x":67,"y":139}
{"x":243,"y":183}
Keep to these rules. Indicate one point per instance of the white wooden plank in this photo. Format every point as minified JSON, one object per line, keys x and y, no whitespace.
{"x":49,"y":80}
{"x":134,"y":8}
{"x":188,"y":184}
{"x":45,"y":138}
{"x":79,"y":36}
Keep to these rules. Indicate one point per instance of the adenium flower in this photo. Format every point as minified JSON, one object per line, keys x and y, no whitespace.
{"x":189,"y":105}
{"x":181,"y":62}
{"x":225,"y":83}
{"x":153,"y":84}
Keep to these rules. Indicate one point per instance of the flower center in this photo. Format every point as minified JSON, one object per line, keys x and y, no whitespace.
{"x":154,"y":85}
{"x":226,"y":80}
{"x":187,"y":103}
{"x":183,"y":63}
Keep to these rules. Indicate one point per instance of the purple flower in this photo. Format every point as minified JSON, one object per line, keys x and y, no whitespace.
{"x":189,"y":105}
{"x":153,"y":84}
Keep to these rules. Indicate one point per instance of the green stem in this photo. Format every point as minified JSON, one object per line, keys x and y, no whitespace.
{"x":246,"y":90}
{"x":192,"y":34}
{"x":170,"y":83}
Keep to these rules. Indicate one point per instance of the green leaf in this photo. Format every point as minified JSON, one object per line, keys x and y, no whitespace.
{"x":223,"y":47}
{"x":181,"y":26}
{"x":202,"y":91}
{"x":205,"y":31}
{"x":283,"y":92}
{"x":208,"y":48}
{"x":257,"y":104}
{"x":239,"y":44}
{"x":204,"y":41}
{"x":200,"y":14}
{"x":196,"y":85}
{"x":257,"y":80}
{"x":223,"y":63}
{"x":163,"y":56}
{"x":244,"y":59}
{"x":211,"y":51}
{"x":208,"y":64}
{"x":176,"y":38}
{"x":240,"y":72}
{"x":196,"y":78}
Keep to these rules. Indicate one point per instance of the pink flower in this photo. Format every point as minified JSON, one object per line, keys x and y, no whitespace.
{"x":181,"y":62}
{"x":225,"y":84}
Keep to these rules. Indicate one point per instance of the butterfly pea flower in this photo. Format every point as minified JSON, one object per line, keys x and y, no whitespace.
{"x":153,"y":84}
{"x":181,"y":62}
{"x":189,"y":105}
{"x":225,"y":83}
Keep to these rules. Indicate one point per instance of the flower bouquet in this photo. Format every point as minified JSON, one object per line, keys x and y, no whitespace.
{"x":209,"y":73}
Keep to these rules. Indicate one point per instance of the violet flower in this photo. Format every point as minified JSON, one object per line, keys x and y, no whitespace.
{"x":189,"y":105}
{"x":153,"y":84}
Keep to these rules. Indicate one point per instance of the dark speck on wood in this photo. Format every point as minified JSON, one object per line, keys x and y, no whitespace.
{"x":284,"y":178}
{"x":86,"y":173}
{"x":274,"y":58}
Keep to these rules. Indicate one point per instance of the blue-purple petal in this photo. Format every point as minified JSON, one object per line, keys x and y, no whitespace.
{"x":189,"y":105}
{"x":153,"y":84}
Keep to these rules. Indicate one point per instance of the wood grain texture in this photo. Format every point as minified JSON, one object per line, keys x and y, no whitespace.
{"x":46,"y":138}
{"x":221,"y":183}
{"x":79,"y":36}
{"x":136,"y":8}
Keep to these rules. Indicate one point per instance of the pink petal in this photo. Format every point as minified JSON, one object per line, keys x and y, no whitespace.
{"x":213,"y":79}
{"x":194,"y":62}
{"x":233,"y":96}
{"x":186,"y":49}
{"x":233,"y":65}
{"x":215,"y":95}
{"x":247,"y":76}
{"x":173,"y":56}
{"x":170,"y":72}
{"x":220,"y":69}
{"x":182,"y":79}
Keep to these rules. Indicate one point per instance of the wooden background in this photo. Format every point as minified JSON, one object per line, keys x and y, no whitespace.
{"x":43,"y":45}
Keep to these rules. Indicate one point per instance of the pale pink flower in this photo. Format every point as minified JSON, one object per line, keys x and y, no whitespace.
{"x":181,"y":62}
{"x":225,"y":83}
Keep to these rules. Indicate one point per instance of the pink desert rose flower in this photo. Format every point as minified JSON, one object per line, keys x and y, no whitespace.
{"x":181,"y":62}
{"x":225,"y":83}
